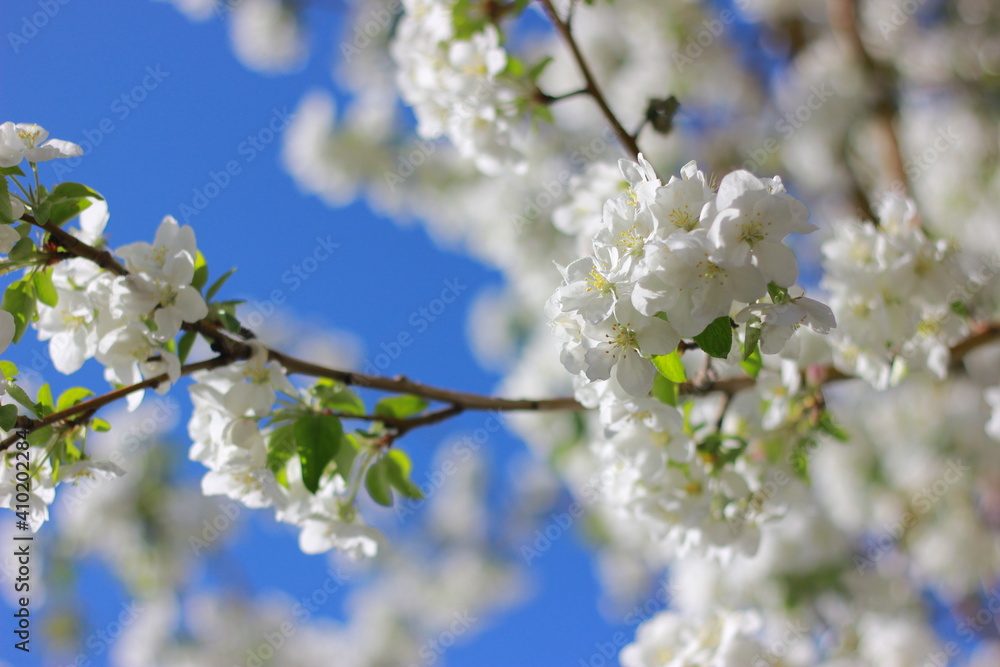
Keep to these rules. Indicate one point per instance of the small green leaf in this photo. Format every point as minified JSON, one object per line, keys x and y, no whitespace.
{"x":72,"y":396}
{"x":830,"y":427}
{"x":11,"y":171}
{"x":317,"y":438}
{"x":6,"y":211}
{"x":229,"y":321}
{"x":751,"y":365}
{"x":8,"y":416}
{"x":73,"y":191}
{"x":665,"y":390}
{"x":23,"y":250}
{"x":398,"y":470}
{"x":217,"y":285}
{"x":185,"y":344}
{"x":41,"y":437}
{"x":19,"y":303}
{"x":778,"y":293}
{"x":751,"y":337}
{"x":539,"y":67}
{"x":338,"y":397}
{"x":377,"y":483}
{"x":45,"y":405}
{"x":670,"y":366}
{"x":64,"y":211}
{"x":44,"y":287}
{"x":717,"y":338}
{"x":346,"y":455}
{"x":9,"y":369}
{"x":400,"y":407}
{"x":100,"y":425}
{"x":200,"y":272}
{"x":21,"y":397}
{"x":280,"y":447}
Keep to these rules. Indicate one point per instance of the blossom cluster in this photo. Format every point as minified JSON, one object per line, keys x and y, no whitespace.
{"x":456,"y":86}
{"x":229,"y":439}
{"x":897,"y":294}
{"x":668,"y":261}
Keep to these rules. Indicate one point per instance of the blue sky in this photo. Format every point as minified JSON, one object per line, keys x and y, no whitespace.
{"x":161,"y":105}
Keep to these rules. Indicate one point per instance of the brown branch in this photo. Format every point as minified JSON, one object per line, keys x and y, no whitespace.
{"x":27,"y":425}
{"x":843,"y":17}
{"x":232,"y":349}
{"x":627,"y":141}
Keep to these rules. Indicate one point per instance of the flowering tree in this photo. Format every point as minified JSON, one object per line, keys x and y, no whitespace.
{"x":808,"y":480}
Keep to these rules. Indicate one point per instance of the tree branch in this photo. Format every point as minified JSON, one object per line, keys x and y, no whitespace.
{"x":28,"y":425}
{"x":627,"y":141}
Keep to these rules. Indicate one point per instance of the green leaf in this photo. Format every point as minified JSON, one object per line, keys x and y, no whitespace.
{"x":9,"y":369}
{"x":338,"y":397}
{"x":44,"y":403}
{"x":64,"y":211}
{"x":21,"y":397}
{"x":100,"y":425}
{"x":6,"y":211}
{"x":8,"y":416}
{"x":317,"y":438}
{"x":73,"y":191}
{"x":23,"y":250}
{"x":778,"y":293}
{"x":19,"y":303}
{"x":217,"y":285}
{"x":751,"y":365}
{"x":346,"y":455}
{"x":200,"y":272}
{"x":185,"y":344}
{"x":665,"y":390}
{"x":44,"y":287}
{"x":11,"y":171}
{"x":750,"y":338}
{"x":72,"y":396}
{"x":400,"y":407}
{"x":280,"y":447}
{"x":229,"y":321}
{"x":398,"y":470}
{"x":41,"y":437}
{"x":828,"y":426}
{"x":670,"y":366}
{"x":515,"y":68}
{"x":539,"y":67}
{"x":377,"y":483}
{"x":717,"y":338}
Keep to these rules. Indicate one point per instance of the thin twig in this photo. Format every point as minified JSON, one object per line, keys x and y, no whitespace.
{"x":562,"y":27}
